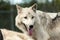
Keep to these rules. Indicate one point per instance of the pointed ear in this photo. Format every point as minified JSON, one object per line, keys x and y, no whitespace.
{"x":19,"y":9}
{"x":52,"y":15}
{"x":34,"y":7}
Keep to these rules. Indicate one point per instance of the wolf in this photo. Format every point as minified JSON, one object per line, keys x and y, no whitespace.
{"x":13,"y":35}
{"x":38,"y":24}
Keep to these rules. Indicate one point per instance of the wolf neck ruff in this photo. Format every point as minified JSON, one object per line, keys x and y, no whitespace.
{"x":1,"y":36}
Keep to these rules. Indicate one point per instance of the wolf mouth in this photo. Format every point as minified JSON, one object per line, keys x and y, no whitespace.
{"x":30,"y":30}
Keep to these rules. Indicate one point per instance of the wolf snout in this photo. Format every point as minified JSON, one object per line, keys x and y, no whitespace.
{"x":31,"y":26}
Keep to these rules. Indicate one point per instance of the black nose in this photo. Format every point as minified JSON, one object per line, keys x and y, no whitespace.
{"x":31,"y":26}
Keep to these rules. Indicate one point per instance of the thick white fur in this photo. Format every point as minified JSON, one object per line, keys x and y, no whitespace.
{"x":12,"y":35}
{"x":44,"y":28}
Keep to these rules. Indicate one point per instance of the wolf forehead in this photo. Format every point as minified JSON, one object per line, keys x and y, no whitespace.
{"x":26,"y":10}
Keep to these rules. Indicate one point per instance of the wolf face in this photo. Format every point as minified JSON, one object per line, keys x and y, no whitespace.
{"x":26,"y":16}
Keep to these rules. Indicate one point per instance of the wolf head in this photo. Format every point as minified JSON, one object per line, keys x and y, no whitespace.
{"x":26,"y":16}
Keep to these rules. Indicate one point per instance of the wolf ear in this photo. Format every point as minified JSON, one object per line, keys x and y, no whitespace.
{"x":34,"y":7}
{"x":19,"y":9}
{"x":52,"y":15}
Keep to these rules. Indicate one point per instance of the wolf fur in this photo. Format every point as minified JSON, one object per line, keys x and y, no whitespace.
{"x":12,"y":35}
{"x":44,"y":28}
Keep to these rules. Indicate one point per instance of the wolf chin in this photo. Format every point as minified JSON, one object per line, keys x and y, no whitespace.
{"x":39,"y":25}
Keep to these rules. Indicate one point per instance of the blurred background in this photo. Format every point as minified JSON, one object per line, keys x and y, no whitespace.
{"x":8,"y":10}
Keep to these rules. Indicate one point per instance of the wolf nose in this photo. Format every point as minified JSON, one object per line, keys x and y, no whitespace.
{"x":31,"y":26}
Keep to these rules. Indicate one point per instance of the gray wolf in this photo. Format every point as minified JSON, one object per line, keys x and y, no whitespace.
{"x":38,"y":24}
{"x":12,"y":35}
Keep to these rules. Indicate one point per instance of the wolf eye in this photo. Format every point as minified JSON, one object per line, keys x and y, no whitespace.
{"x":25,"y":17}
{"x":32,"y":17}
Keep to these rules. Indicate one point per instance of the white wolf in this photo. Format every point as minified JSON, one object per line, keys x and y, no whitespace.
{"x":38,"y":24}
{"x":12,"y":35}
